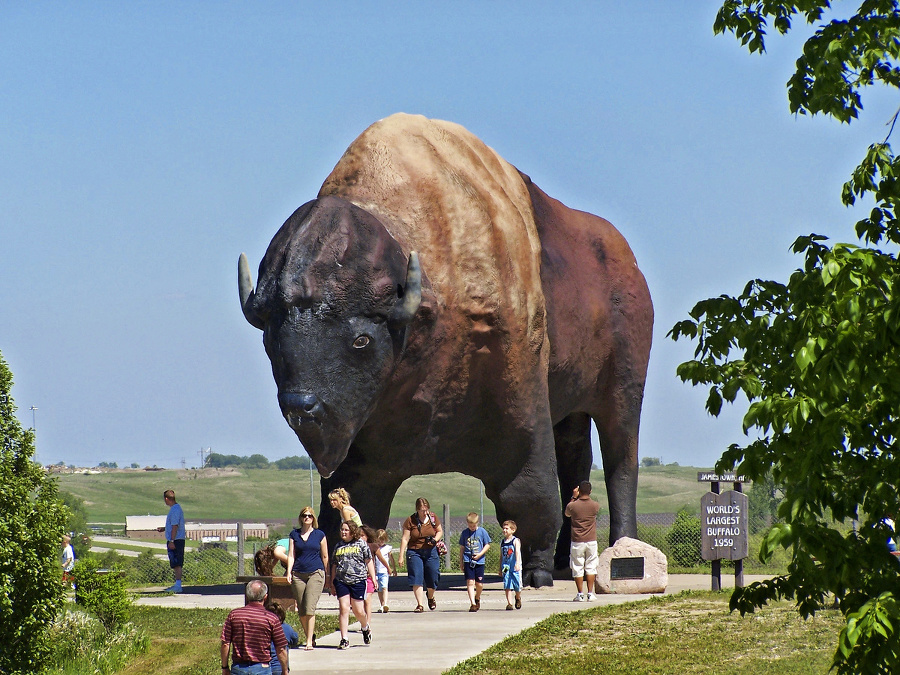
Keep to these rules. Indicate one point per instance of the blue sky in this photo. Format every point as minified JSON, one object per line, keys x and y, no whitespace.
{"x":144,"y":146}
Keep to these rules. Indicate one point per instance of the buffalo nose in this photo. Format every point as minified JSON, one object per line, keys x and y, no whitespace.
{"x":305,"y":405}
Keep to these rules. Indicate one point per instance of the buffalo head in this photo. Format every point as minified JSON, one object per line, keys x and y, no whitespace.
{"x":336,"y":295}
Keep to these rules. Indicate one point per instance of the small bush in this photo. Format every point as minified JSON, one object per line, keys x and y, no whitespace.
{"x":210,"y":565}
{"x":81,"y":644}
{"x":103,"y":594}
{"x":684,"y":540}
{"x":148,"y":569}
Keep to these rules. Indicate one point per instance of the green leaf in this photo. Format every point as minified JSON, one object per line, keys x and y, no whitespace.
{"x":829,"y":271}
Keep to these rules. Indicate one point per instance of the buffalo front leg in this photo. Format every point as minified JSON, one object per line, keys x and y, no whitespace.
{"x":530,"y":497}
{"x":371,"y":493}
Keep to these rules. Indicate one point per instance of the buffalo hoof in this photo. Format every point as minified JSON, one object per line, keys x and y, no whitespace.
{"x":537,"y":578}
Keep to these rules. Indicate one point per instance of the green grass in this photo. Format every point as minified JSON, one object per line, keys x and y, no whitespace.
{"x":684,"y":634}
{"x":690,"y":633}
{"x":186,"y":641}
{"x":246,"y":494}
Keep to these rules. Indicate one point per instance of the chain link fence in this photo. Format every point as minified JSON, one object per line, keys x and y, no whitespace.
{"x":677,"y":535}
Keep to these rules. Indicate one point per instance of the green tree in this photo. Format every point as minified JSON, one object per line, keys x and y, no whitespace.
{"x":818,"y":357}
{"x":32,"y":522}
{"x":257,"y":461}
{"x":294,"y":462}
{"x":217,"y":461}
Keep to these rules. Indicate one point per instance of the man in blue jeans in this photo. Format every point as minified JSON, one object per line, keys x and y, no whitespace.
{"x":175,"y":536}
{"x":248,"y":633}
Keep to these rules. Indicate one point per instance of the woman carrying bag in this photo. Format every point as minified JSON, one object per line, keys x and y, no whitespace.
{"x":419,"y":550}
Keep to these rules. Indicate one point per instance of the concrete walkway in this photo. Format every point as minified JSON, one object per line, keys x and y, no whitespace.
{"x":433,"y":642}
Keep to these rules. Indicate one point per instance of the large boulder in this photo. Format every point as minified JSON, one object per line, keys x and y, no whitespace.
{"x":625,"y":556}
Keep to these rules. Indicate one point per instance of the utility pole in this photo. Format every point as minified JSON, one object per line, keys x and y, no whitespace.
{"x":33,"y":424}
{"x":204,"y":456}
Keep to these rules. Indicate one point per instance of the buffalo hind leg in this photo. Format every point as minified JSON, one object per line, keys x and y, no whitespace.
{"x":617,"y":426}
{"x":574,"y":458}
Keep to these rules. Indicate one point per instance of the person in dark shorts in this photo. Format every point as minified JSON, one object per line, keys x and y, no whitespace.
{"x":474,"y":543}
{"x":175,"y":536}
{"x":351,"y":564}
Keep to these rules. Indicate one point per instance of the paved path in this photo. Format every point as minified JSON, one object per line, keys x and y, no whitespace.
{"x":433,"y":642}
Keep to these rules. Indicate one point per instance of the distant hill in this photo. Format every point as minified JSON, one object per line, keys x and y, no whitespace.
{"x":272,"y":495}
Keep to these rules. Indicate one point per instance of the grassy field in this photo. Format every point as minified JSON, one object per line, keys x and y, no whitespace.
{"x":268,"y":495}
{"x":691,"y":633}
{"x":186,"y":641}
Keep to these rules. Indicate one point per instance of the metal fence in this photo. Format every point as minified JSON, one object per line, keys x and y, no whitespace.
{"x":676,"y":535}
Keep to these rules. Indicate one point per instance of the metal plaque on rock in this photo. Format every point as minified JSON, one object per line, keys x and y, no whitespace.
{"x":723,"y":526}
{"x":626,"y":568}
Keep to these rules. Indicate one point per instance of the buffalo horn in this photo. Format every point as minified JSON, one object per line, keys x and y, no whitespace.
{"x":246,"y":293}
{"x":412,"y":296}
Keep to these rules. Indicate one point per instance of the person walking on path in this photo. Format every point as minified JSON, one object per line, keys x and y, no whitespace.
{"x":418,"y":549}
{"x":474,"y":543}
{"x":68,"y":560}
{"x":68,"y":555}
{"x":248,"y":633}
{"x":511,"y":564}
{"x":351,"y":565}
{"x":307,"y":570}
{"x":385,"y":567}
{"x":175,"y":536}
{"x":582,"y":511}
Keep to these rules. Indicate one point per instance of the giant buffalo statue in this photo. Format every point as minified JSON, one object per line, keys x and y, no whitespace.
{"x":433,"y":310}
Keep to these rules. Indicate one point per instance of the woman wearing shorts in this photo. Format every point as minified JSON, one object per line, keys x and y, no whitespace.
{"x":307,"y":562}
{"x":351,"y":565}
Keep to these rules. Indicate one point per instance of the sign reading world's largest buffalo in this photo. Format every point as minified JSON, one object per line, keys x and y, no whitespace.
{"x":433,"y":310}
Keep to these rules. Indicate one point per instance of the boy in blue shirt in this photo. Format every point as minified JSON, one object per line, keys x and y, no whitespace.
{"x":474,"y":543}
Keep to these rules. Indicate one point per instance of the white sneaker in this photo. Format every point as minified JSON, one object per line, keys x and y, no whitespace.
{"x":578,"y":598}
{"x":591,"y":597}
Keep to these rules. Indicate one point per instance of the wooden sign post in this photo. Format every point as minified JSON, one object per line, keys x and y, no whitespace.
{"x":723,"y":526}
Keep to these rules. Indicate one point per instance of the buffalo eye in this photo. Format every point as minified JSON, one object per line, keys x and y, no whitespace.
{"x":361,"y":342}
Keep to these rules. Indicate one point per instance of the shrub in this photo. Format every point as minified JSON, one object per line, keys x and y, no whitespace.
{"x":210,"y":565}
{"x":103,"y":593}
{"x":82,"y":645}
{"x":148,"y":569}
{"x":684,"y":540}
{"x":32,"y":522}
